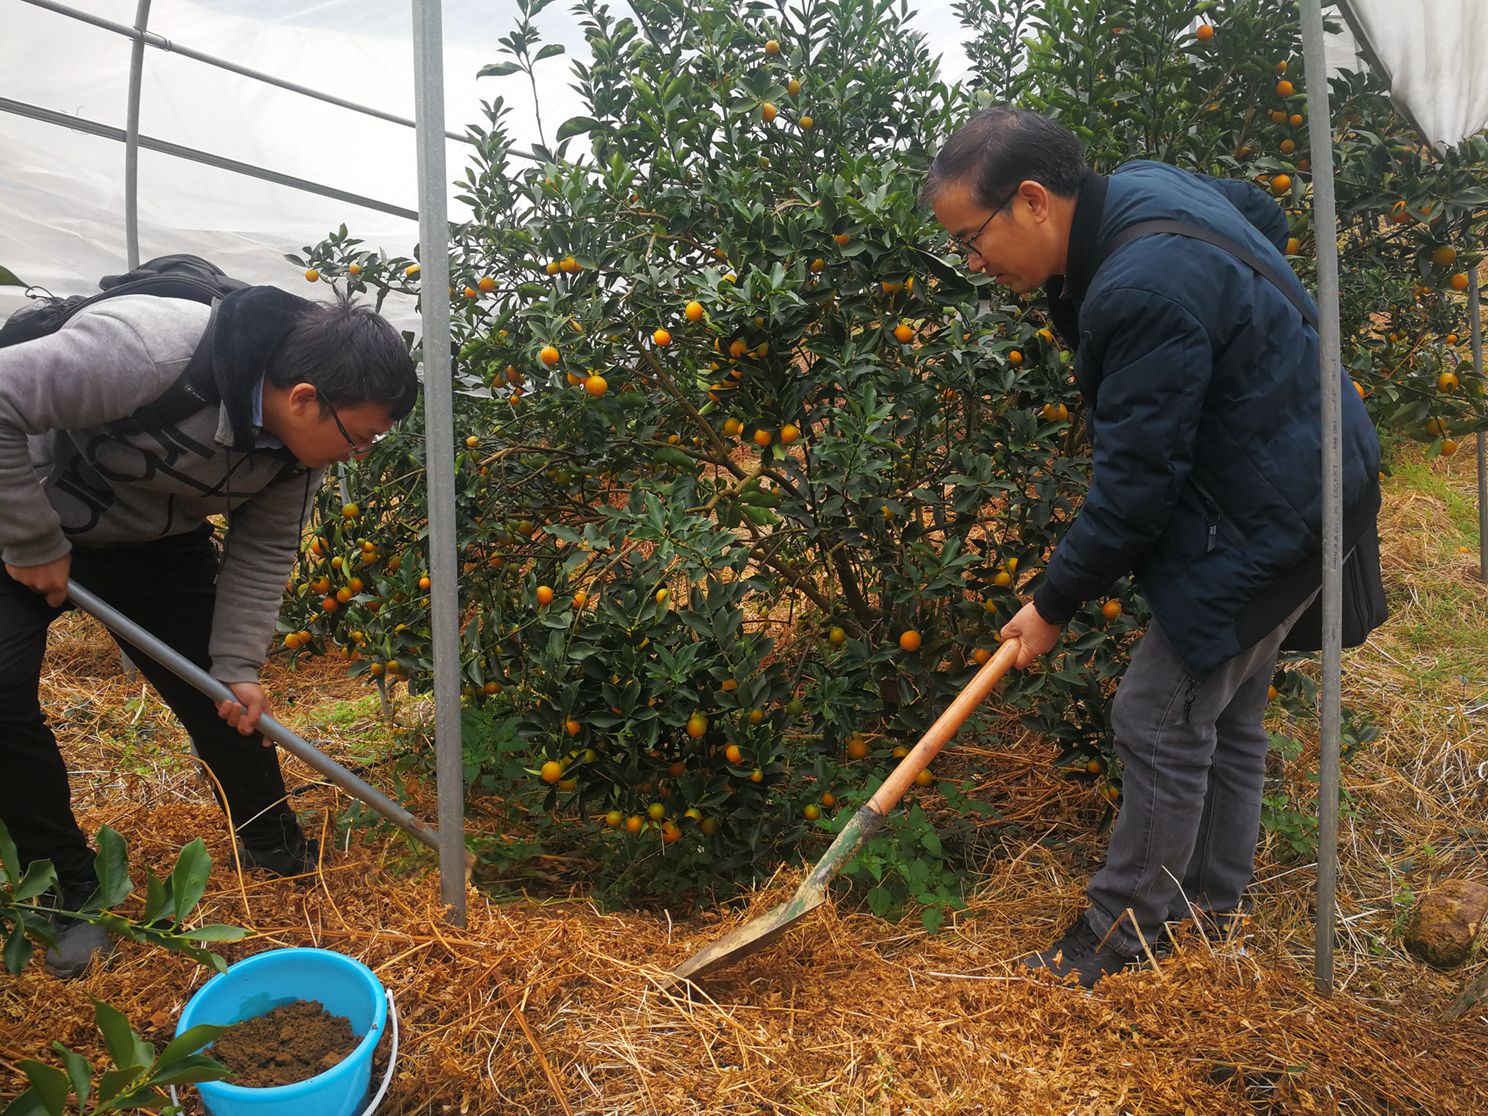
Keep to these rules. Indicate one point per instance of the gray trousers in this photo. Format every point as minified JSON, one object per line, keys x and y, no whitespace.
{"x":1193,"y":760}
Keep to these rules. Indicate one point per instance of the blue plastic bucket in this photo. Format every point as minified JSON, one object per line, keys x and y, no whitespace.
{"x":279,"y":976}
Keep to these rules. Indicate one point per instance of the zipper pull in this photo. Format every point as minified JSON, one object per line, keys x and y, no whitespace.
{"x":1213,"y":536}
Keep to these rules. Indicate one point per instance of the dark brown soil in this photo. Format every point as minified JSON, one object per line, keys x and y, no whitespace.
{"x":288,"y":1044}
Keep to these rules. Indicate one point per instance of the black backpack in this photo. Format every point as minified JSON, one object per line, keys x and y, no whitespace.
{"x":175,"y":276}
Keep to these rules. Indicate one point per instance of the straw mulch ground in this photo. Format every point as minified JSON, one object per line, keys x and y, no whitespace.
{"x":552,"y":1007}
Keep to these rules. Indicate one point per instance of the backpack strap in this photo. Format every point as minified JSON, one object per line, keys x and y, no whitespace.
{"x":1263,"y":267}
{"x":193,"y":389}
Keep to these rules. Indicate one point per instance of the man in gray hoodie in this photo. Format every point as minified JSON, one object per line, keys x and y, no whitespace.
{"x":92,"y":489}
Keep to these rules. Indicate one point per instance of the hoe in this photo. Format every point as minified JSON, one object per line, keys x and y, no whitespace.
{"x":188,"y":671}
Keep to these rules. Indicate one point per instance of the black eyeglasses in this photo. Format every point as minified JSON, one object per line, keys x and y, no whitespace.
{"x":356,"y":447}
{"x":966,"y":245}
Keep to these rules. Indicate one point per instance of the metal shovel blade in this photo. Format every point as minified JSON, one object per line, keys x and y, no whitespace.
{"x":760,"y":932}
{"x":812,"y":893}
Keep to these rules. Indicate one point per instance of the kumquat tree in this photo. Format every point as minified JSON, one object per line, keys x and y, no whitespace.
{"x":751,"y":469}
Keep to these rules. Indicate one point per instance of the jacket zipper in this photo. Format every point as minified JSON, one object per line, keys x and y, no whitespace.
{"x":1211,"y":515}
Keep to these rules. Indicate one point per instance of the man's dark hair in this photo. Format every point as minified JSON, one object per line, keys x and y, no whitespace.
{"x":1000,"y":147}
{"x":350,"y":355}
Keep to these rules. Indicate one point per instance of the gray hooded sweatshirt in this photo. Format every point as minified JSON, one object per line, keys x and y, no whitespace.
{"x":67,"y":479}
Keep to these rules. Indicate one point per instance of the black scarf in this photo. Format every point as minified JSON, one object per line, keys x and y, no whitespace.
{"x":1066,"y":292}
{"x":245,"y":332}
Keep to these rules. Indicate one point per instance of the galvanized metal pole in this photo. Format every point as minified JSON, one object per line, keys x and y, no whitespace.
{"x":439,"y":442}
{"x":131,"y":137}
{"x":131,"y":189}
{"x":1325,"y":232}
{"x":1475,"y":319}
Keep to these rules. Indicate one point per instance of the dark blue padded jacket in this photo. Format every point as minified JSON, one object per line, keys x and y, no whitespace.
{"x":1201,"y":386}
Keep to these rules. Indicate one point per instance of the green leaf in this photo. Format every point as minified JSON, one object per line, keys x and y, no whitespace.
{"x":10,"y":860}
{"x":498,"y":69}
{"x":117,"y":925}
{"x":198,"y":1067}
{"x":8,"y":279}
{"x":40,"y":876}
{"x":932,"y":917}
{"x":111,"y":866}
{"x":118,"y":1085}
{"x":50,"y":1084}
{"x":79,"y":1072}
{"x":189,"y":878}
{"x":29,"y":1103}
{"x":124,"y":1046}
{"x":552,"y":50}
{"x":189,"y":1042}
{"x":156,"y":897}
{"x":216,"y":932}
{"x":576,"y":126}
{"x":17,"y":950}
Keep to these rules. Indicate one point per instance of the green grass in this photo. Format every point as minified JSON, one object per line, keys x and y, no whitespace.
{"x":1437,"y":611}
{"x":348,"y":714}
{"x":1462,"y":506}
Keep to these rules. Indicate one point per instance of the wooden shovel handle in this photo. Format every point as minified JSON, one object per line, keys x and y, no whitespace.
{"x":944,"y":728}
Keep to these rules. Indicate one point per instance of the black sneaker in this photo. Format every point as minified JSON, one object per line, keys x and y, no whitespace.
{"x":295,"y":855}
{"x":1080,"y":952}
{"x":76,"y":944}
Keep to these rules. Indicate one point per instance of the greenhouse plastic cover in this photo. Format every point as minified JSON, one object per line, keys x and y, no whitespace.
{"x":62,"y":193}
{"x":1434,"y":54}
{"x":62,"y":196}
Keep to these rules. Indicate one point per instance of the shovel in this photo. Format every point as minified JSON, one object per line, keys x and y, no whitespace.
{"x":864,"y":824}
{"x":189,"y":672}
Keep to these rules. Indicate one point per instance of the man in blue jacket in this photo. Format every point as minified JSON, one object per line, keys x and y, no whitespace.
{"x":1200,"y":377}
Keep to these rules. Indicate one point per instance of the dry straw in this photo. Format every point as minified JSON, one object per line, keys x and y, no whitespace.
{"x":552,"y":1007}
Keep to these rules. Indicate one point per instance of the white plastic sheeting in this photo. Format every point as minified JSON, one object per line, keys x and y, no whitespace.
{"x":1434,"y":54}
{"x":62,"y":193}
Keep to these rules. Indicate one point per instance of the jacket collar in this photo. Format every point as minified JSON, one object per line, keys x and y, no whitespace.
{"x":1066,"y":292}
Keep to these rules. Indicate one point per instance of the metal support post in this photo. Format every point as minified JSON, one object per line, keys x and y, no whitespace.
{"x":131,"y":136}
{"x":1325,"y":230}
{"x":439,"y":441}
{"x":1475,"y":324}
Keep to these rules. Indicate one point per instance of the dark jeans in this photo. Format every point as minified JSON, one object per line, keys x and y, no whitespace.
{"x":168,"y":587}
{"x":1193,"y":760}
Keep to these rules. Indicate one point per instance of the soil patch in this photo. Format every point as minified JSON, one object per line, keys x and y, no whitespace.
{"x":288,"y":1044}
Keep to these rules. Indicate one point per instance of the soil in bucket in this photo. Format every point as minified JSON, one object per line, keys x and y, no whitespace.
{"x":290,"y":1043}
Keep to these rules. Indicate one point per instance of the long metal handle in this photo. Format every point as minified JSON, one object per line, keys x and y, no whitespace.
{"x":189,"y":672}
{"x":944,"y":728}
